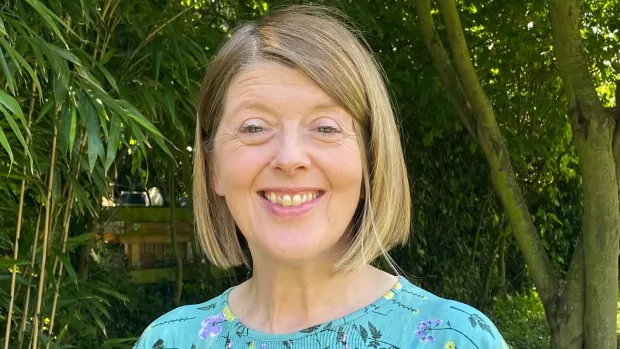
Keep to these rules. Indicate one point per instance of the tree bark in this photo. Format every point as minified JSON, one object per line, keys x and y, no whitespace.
{"x":563,"y":302}
{"x":494,"y":147}
{"x":593,"y":130}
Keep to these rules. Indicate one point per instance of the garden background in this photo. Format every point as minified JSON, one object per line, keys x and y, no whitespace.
{"x":508,"y":114}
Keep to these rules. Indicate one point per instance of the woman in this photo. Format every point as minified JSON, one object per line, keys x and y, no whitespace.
{"x":298,"y":161}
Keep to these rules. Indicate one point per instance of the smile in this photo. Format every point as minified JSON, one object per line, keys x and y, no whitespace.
{"x":291,"y":199}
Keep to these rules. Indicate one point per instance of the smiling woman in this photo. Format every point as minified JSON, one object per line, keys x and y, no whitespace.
{"x":298,"y":157}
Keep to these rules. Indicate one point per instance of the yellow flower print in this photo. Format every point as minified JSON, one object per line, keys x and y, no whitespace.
{"x":228,"y":314}
{"x":389,"y":295}
{"x":398,"y":286}
{"x":415,"y":311}
{"x":450,"y":345}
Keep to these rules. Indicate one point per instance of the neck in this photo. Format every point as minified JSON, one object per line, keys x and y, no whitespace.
{"x":286,"y":299}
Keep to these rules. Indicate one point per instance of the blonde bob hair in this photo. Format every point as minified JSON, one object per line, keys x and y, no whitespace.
{"x":316,"y":41}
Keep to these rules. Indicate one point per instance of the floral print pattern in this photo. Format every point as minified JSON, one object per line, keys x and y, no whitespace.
{"x":406,"y":317}
{"x":210,"y":326}
{"x":424,"y":333}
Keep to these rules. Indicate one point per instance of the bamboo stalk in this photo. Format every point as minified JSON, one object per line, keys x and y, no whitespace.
{"x":18,"y":230}
{"x":65,"y":234}
{"x":46,"y":233}
{"x":22,"y":327}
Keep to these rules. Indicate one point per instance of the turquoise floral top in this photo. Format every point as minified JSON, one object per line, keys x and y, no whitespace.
{"x":405,"y":317}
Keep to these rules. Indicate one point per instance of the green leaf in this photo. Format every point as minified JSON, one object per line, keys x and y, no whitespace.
{"x":63,"y":53}
{"x":67,"y":124}
{"x":108,"y":76}
{"x":6,"y":146}
{"x":113,"y":138}
{"x":89,"y":115}
{"x":20,"y":280}
{"x":49,"y":17}
{"x":7,"y":72}
{"x":9,"y":262}
{"x":11,"y":104}
{"x":97,"y":320}
{"x":107,"y":56}
{"x":139,"y":118}
{"x":80,"y":239}
{"x":20,"y":61}
{"x":18,"y":133}
{"x":65,"y":261}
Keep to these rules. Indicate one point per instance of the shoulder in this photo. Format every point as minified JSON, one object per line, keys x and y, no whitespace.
{"x":449,"y":324}
{"x":181,"y":324}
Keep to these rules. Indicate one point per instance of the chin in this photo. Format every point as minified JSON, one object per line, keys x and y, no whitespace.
{"x":298,"y":252}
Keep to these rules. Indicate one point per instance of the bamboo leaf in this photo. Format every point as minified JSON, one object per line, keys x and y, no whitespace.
{"x":65,"y":261}
{"x":18,"y":279}
{"x":67,"y":119}
{"x":97,"y":320}
{"x":9,"y":262}
{"x":89,"y":115}
{"x":80,"y":239}
{"x":107,"y":56}
{"x":18,"y":133}
{"x":107,"y":290}
{"x":7,"y":72}
{"x":139,"y":118}
{"x":114,"y":135}
{"x":49,"y":17}
{"x":11,"y":104}
{"x":63,"y":53}
{"x":100,"y":308}
{"x":20,"y":61}
{"x":108,"y":76}
{"x":6,"y":146}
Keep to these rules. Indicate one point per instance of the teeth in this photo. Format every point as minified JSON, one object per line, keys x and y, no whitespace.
{"x":296,"y":200}
{"x":288,"y":200}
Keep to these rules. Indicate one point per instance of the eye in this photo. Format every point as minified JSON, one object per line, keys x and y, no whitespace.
{"x":254,"y":132}
{"x":251,"y":129}
{"x":327,"y":129}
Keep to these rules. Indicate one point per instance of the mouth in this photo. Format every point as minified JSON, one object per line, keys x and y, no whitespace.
{"x":284,"y":199}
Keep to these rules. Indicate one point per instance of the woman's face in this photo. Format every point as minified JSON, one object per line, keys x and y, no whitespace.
{"x":288,"y":163}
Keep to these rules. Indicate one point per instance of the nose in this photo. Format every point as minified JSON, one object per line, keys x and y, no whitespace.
{"x":291,"y":156}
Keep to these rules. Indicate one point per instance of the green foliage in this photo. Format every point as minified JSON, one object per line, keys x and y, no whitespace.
{"x":118,"y":80}
{"x":521,"y":320}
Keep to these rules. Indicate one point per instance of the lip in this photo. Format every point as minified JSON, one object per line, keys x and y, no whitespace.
{"x":291,"y":211}
{"x":285,"y":190}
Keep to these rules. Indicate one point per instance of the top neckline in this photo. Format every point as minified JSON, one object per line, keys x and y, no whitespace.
{"x":263,"y":336}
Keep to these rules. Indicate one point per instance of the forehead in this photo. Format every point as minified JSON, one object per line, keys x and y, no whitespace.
{"x":268,"y":85}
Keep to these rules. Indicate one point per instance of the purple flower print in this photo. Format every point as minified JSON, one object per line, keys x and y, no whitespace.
{"x":210,"y":326}
{"x":263,"y":346}
{"x":424,"y":332}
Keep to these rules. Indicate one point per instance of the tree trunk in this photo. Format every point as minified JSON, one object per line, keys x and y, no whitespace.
{"x":564,"y":302}
{"x":593,"y":131}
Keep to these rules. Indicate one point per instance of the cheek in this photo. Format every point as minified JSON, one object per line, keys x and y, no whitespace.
{"x":344,"y":170}
{"x":239,"y":168}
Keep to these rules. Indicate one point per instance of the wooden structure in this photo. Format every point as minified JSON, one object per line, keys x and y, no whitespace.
{"x":145,"y":236}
